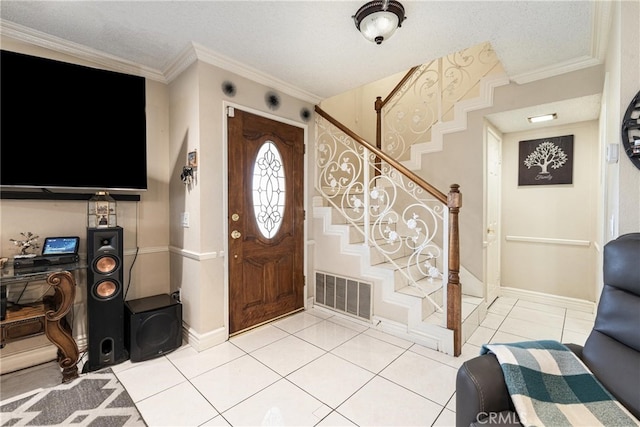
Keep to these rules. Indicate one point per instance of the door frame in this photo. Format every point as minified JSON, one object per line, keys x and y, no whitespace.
{"x":489,"y":131}
{"x":225,"y":197}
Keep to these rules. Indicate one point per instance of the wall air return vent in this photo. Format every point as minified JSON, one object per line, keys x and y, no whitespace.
{"x":344,"y":295}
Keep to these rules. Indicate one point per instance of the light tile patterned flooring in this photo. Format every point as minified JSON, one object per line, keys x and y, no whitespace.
{"x":317,"y":369}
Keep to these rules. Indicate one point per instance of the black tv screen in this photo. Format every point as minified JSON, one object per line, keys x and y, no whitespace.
{"x":66,"y":126}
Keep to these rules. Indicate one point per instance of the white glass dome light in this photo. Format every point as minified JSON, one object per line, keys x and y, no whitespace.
{"x":378,"y":20}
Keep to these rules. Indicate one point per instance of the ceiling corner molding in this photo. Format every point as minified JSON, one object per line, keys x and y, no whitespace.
{"x":56,"y":44}
{"x":205,"y":55}
{"x":181,"y":62}
{"x":557,"y":69}
{"x":602,"y":11}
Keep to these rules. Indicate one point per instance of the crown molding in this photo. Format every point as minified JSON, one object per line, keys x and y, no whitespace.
{"x":188,"y":56}
{"x":556,"y":69}
{"x":56,"y":44}
{"x":180,"y":63}
{"x":602,"y":13}
{"x":601,"y":25}
{"x":198,"y":52}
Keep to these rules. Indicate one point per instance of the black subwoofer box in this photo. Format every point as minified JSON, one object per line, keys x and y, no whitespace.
{"x":153,"y":326}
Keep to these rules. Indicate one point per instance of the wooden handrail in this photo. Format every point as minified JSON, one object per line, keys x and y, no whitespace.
{"x":390,"y":160}
{"x":398,"y":86}
{"x":379,"y":105}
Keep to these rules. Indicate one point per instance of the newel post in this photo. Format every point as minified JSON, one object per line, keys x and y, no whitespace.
{"x":454,"y":291}
{"x":378,"y":107}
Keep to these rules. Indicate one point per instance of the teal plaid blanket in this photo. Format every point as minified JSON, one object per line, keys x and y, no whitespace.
{"x":550,"y":386}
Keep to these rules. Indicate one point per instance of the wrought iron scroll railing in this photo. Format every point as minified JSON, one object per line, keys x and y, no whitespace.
{"x":427,"y":96}
{"x":410,"y":222}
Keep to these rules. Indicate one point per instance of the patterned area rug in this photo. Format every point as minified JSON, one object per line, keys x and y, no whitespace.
{"x":95,"y":399}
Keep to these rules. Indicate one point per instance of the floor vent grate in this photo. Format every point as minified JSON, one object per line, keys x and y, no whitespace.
{"x":345,"y":295}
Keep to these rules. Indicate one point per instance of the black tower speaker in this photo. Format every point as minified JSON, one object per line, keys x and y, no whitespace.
{"x":153,"y":326}
{"x":105,"y":300}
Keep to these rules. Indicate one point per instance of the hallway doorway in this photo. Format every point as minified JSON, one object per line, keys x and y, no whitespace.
{"x":493,"y":176}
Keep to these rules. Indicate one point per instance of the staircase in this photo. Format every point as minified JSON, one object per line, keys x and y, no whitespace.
{"x":403,"y":250}
{"x":422,"y":323}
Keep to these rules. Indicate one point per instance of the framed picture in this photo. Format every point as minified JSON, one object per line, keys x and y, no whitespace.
{"x":546,"y":161}
{"x":192,"y":159}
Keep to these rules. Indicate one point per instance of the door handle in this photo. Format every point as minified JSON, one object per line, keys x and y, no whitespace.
{"x":235,"y":234}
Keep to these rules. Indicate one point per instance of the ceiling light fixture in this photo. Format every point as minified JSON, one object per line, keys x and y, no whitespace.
{"x":378,"y":20}
{"x":543,"y":118}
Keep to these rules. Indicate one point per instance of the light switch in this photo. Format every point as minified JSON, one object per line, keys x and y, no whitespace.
{"x":612,"y":153}
{"x":185,"y":219}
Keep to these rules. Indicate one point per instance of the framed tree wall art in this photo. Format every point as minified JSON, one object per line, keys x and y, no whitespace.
{"x":546,"y":161}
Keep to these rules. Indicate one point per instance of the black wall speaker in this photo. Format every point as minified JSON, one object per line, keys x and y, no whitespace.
{"x":153,"y":326}
{"x":105,"y":300}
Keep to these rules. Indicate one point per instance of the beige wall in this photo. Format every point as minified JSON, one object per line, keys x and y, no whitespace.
{"x":144,"y":222}
{"x":198,"y":121}
{"x":616,"y":194}
{"x":356,"y":108}
{"x":623,"y":74}
{"x":183,"y":116}
{"x":460,"y":161}
{"x":188,"y":114}
{"x":548,"y":231}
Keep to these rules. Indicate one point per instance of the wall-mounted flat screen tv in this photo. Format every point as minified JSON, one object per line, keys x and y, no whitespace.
{"x":66,"y":126}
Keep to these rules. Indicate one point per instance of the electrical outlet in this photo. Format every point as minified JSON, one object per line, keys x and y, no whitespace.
{"x":185,"y":219}
{"x":176,"y":295}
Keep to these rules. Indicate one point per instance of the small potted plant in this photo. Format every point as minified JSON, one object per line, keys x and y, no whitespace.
{"x":28,"y":244}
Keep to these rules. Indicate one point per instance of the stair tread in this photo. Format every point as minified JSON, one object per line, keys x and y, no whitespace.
{"x":424,"y":287}
{"x":472,"y":303}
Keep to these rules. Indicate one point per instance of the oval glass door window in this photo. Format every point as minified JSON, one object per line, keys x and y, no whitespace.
{"x":268,"y":189}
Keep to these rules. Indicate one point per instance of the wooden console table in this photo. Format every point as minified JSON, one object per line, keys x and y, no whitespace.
{"x":47,"y":316}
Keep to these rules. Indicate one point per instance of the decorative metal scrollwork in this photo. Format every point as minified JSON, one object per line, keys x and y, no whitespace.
{"x":268,"y":189}
{"x":397,"y":217}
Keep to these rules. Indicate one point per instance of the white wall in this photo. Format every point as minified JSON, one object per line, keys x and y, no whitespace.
{"x":549,"y":231}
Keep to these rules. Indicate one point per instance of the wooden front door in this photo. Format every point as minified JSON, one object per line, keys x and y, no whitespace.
{"x":265,"y":219}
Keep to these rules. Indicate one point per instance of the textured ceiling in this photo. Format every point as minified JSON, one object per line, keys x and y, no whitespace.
{"x":312,"y":50}
{"x":314,"y":45}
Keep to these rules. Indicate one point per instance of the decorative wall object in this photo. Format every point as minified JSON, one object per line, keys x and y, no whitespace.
{"x":273,"y":100}
{"x":187,"y":175}
{"x":229,"y":89}
{"x":631,"y":131}
{"x":546,"y":161}
{"x":192,"y":159}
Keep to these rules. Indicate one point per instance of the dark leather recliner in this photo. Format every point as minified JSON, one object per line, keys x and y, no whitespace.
{"x":611,"y":352}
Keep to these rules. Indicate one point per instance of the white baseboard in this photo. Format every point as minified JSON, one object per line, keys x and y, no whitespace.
{"x":40,"y":351}
{"x":555,"y":300}
{"x":202,"y":342}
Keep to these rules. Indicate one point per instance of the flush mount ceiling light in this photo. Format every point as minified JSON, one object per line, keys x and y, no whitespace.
{"x":543,"y":118}
{"x":378,"y":20}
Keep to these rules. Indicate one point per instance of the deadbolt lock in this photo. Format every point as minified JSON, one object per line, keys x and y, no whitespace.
{"x":235,"y":217}
{"x":235,"y":234}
